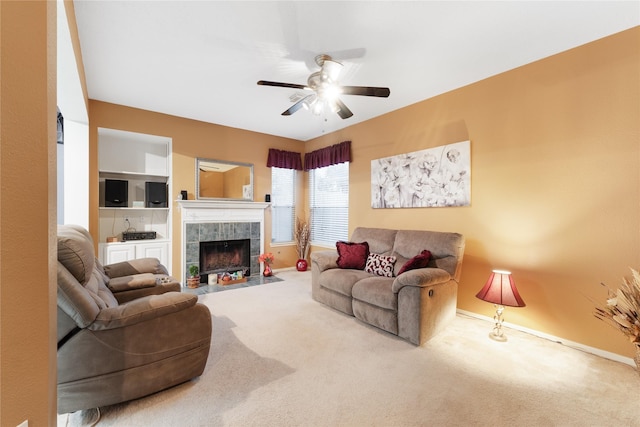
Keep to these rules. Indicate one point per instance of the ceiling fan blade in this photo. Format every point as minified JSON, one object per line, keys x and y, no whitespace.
{"x":295,"y":107}
{"x":343,"y":111}
{"x":278,"y":84}
{"x":381,"y":92}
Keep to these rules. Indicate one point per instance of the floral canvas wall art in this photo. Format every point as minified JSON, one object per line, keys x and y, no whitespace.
{"x":434,"y":177}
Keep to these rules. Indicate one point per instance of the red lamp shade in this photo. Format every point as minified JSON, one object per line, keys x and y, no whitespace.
{"x":501,"y":289}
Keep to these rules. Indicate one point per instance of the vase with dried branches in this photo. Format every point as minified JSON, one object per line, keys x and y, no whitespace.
{"x":302,"y":234}
{"x":622,"y":310}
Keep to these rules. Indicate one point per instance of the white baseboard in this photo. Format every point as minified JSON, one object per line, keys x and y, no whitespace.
{"x":572,"y":344}
{"x":276,"y":270}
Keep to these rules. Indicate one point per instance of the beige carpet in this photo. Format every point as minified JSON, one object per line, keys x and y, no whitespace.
{"x":278,"y":358}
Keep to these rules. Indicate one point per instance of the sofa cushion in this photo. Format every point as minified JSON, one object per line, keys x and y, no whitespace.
{"x":75,"y":252}
{"x":352,"y":255}
{"x":74,"y":299}
{"x":446,"y":248}
{"x":377,"y":291}
{"x":341,"y":280}
{"x":380,"y":265}
{"x":380,"y":240}
{"x":387,"y":320}
{"x":419,"y":261}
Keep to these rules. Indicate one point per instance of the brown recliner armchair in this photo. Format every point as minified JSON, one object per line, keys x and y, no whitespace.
{"x":123,"y":332}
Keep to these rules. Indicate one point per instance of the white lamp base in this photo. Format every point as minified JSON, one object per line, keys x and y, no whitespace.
{"x":496,"y":337}
{"x":497,"y":334}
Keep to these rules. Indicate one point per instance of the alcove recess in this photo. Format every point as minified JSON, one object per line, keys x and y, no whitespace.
{"x":137,"y":159}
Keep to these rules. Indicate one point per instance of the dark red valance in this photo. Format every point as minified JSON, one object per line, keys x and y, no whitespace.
{"x":338,"y":153}
{"x":284,"y":159}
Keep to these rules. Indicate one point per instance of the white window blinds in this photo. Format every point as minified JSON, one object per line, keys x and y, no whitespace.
{"x":329,"y":204}
{"x":283,"y":202}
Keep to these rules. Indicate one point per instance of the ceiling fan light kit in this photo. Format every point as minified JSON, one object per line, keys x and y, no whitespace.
{"x":326,"y":90}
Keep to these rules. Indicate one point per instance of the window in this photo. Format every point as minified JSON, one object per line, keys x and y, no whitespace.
{"x":283,"y":202}
{"x":329,"y":204}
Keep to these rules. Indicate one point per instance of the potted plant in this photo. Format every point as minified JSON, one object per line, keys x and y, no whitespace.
{"x":302,"y":234}
{"x":622,"y":311}
{"x":193,"y":281}
{"x":267,"y":259}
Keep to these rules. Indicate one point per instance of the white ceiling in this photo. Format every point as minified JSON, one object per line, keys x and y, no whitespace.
{"x":201,"y":59}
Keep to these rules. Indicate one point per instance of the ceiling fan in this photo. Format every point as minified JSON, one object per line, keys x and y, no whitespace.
{"x":325,"y":90}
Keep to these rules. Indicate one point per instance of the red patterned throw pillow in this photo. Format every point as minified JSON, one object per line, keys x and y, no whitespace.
{"x":419,"y":261}
{"x":352,"y":255}
{"x":380,"y":265}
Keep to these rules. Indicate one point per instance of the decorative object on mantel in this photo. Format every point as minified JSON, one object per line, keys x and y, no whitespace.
{"x":302,"y":234}
{"x":266,"y":258}
{"x":622,"y":311}
{"x":193,"y":281}
{"x":500,"y":290}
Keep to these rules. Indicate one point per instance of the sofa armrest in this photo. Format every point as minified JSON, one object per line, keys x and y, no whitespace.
{"x":135,"y":266}
{"x":166,"y":284}
{"x":142,"y":309}
{"x":420,"y":277}
{"x":324,"y":260}
{"x":135,"y":281}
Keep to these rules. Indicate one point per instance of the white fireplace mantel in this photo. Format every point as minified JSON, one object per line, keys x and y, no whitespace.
{"x":198,"y":208}
{"x":203,"y":211}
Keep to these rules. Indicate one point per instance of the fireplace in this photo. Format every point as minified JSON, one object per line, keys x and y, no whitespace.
{"x":220,"y":256}
{"x":214,"y":220}
{"x":216,"y":247}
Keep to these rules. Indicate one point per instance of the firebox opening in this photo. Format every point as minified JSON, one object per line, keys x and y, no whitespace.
{"x":225,"y":256}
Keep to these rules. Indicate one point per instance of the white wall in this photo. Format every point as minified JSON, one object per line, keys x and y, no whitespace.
{"x":76,"y":173}
{"x":74,"y":176}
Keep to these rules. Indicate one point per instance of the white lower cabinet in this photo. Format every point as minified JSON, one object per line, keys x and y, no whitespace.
{"x":153,"y":250}
{"x":117,"y":252}
{"x":123,"y":251}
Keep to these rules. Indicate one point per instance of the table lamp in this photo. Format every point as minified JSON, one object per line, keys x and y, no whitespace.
{"x":500,"y":290}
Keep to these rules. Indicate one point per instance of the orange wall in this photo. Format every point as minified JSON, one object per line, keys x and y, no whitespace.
{"x":555,"y":181}
{"x":234,"y":180}
{"x":228,"y":185}
{"x":28,"y":213}
{"x":211,"y":184}
{"x":191,"y":139}
{"x":555,"y":178}
{"x":70,"y":12}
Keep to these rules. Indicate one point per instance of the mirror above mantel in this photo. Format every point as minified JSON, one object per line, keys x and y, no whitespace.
{"x":223,"y":180}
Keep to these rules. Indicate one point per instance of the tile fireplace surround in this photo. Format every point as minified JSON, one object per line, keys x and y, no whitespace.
{"x":210,"y":220}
